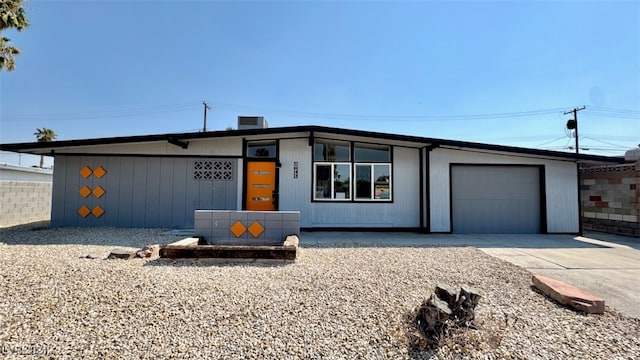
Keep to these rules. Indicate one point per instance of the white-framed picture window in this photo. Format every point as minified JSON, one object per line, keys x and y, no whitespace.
{"x":347,"y":171}
{"x":332,"y":181}
{"x":373,"y":182}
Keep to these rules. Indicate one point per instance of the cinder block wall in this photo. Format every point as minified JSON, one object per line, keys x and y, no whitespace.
{"x":23,"y":202}
{"x":227,"y":227}
{"x":610,"y":198}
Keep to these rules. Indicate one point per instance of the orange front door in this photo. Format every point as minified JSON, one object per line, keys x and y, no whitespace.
{"x":261,"y":185}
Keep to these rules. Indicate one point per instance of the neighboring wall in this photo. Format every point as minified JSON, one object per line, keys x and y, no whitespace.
{"x":23,"y":202}
{"x":611,"y":198}
{"x":25,"y":195}
{"x":560,"y":187}
{"x":22,"y":173}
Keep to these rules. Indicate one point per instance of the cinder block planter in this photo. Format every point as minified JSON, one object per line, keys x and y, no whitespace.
{"x":225,"y":227}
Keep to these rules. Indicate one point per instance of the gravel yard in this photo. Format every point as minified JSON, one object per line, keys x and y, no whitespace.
{"x":332,"y":303}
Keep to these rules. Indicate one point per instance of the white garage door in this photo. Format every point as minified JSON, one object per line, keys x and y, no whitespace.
{"x":495,"y":199}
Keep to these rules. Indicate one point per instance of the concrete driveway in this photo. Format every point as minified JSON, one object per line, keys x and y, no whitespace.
{"x":602,"y":264}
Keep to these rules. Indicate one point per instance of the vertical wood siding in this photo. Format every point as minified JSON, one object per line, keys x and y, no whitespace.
{"x":139,"y":191}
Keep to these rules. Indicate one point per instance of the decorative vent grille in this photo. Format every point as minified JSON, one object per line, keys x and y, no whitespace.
{"x":213,"y":170}
{"x":605,"y":169}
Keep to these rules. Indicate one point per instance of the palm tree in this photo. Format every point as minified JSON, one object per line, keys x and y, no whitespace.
{"x":44,"y":135}
{"x":12,"y":15}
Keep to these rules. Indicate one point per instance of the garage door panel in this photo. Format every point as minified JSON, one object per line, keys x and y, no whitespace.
{"x":495,"y":199}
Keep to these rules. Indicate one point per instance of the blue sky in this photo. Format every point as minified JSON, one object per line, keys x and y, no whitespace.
{"x":436,"y":69}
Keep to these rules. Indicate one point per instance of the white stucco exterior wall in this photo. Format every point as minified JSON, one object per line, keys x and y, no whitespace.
{"x":295,"y":194}
{"x":561,"y":192}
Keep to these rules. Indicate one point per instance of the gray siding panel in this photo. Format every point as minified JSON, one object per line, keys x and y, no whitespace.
{"x":125,"y":194}
{"x":192,"y":193}
{"x":165,"y":191}
{"x":138,"y":198}
{"x":205,"y":195}
{"x":139,"y":191}
{"x":152,"y":193}
{"x":179,"y":193}
{"x":59,"y":191}
{"x":71,"y":205}
{"x":112,"y":195}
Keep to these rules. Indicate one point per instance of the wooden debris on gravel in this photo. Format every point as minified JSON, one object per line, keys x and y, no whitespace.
{"x":569,"y":295}
{"x":446,"y":309}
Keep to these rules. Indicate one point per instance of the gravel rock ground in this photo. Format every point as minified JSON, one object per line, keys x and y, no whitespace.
{"x":339,"y":303}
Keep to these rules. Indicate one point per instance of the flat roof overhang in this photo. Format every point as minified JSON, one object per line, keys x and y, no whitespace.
{"x":182,"y":139}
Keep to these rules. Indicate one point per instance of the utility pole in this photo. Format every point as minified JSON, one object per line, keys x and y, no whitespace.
{"x":206,"y":107}
{"x":571,"y":125}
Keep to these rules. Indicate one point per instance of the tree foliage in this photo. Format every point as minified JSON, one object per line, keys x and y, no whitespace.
{"x":44,"y":135}
{"x":12,"y":16}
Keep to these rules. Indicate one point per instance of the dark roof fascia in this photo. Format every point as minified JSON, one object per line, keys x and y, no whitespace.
{"x":128,"y":139}
{"x":443,"y":143}
{"x":29,"y":147}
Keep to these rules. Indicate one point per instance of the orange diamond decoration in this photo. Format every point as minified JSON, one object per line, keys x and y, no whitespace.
{"x":84,"y":192}
{"x":85,"y":172}
{"x":84,"y":211}
{"x":238,"y":229}
{"x":256,"y":229}
{"x":97,"y":211}
{"x":99,"y":172}
{"x":98,"y":192}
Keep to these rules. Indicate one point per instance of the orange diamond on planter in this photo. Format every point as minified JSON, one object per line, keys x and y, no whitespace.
{"x":238,"y":229}
{"x":256,"y":229}
{"x":98,"y":192}
{"x":84,"y":191}
{"x":97,"y":211}
{"x":99,"y":172}
{"x":85,"y":172}
{"x":84,"y":211}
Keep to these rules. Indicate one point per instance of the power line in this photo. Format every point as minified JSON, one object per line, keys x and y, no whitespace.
{"x":126,"y":109}
{"x":606,"y":109}
{"x":186,"y":106}
{"x":604,"y":142}
{"x":554,"y":140}
{"x":615,"y":116}
{"x":516,"y":138}
{"x":485,"y":116}
{"x":615,"y":137}
{"x":129,"y":112}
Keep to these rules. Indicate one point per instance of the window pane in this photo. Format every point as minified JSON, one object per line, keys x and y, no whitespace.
{"x":331,"y":151}
{"x":382,"y":176}
{"x":323,"y":182}
{"x":261,"y":149}
{"x":363,"y":181}
{"x":342,"y":181}
{"x":371,"y":153}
